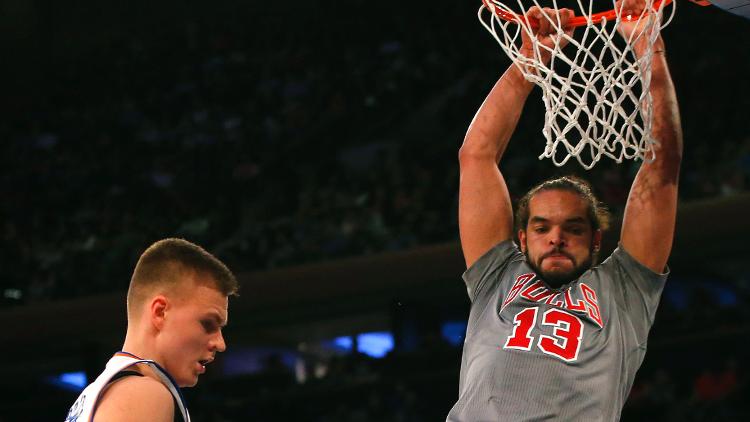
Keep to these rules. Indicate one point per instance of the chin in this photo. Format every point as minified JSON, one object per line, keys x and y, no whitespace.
{"x":556,"y":279}
{"x":557,"y":276}
{"x":558,"y":272}
{"x":187,"y":382}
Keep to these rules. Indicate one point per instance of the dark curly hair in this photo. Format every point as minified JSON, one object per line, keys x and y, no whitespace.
{"x":598,"y":213}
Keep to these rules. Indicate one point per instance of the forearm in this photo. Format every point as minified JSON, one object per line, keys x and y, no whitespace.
{"x":649,"y":219}
{"x":497,"y":117}
{"x":485,"y":215}
{"x":666,"y":126}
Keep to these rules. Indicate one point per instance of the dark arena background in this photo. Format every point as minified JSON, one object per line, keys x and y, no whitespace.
{"x":313,"y":147}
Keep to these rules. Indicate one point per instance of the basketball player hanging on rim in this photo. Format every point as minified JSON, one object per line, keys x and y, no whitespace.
{"x":551,"y":334}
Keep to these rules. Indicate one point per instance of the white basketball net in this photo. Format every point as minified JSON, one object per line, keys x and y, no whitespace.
{"x":595,"y":93}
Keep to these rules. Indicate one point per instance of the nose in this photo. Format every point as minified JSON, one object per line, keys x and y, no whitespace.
{"x":556,"y":238}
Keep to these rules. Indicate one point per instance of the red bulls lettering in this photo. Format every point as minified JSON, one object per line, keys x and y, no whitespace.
{"x":578,"y":306}
{"x":556,"y":300}
{"x":537,"y":291}
{"x":592,"y":306}
{"x":517,"y":286}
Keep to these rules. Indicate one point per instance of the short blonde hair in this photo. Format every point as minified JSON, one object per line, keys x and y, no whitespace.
{"x":165,"y":262}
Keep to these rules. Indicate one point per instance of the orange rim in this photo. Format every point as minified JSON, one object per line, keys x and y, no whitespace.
{"x":575,"y":22}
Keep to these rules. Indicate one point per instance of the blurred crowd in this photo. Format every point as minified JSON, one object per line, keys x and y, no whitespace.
{"x":278,"y":140}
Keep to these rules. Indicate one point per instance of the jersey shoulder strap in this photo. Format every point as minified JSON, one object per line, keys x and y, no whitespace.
{"x":84,"y":407}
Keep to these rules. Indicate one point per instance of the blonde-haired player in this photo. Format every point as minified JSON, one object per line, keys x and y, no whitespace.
{"x":177,"y":305}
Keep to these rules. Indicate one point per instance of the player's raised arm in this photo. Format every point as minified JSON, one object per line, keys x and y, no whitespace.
{"x":649,"y":220}
{"x":485,"y":215}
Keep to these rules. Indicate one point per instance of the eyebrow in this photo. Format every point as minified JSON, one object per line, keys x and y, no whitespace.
{"x":217,"y":318}
{"x":574,"y":220}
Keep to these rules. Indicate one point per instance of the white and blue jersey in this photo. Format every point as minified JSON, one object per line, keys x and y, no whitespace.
{"x":85,"y":406}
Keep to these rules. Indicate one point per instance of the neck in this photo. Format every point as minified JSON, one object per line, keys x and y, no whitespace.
{"x":138,"y":343}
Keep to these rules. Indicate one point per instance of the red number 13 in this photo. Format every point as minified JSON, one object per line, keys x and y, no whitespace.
{"x":565,"y":341}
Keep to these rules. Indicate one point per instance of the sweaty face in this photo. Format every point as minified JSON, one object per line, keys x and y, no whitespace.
{"x":558,"y":240}
{"x":191,"y":335}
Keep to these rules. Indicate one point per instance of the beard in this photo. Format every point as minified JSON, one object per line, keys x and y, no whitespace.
{"x":557,"y":279}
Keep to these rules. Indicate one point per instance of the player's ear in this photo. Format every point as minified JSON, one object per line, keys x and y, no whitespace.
{"x":158,"y":311}
{"x":522,"y":240}
{"x":596,"y":240}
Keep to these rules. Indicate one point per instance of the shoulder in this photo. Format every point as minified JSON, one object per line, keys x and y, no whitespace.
{"x":487,"y":271}
{"x":499,"y":255}
{"x":621,"y":260}
{"x":154,"y":401}
{"x":624,"y":274}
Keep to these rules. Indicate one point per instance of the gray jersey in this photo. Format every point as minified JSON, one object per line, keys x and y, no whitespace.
{"x":533,"y":353}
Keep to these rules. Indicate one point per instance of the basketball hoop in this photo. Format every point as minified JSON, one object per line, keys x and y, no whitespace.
{"x":596,"y":96}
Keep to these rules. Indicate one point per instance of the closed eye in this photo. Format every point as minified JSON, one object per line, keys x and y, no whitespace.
{"x":576,"y":230}
{"x":209,"y":326}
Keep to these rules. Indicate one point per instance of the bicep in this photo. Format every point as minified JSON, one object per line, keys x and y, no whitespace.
{"x":135,"y":399}
{"x":649,"y":220}
{"x":485,"y":216}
